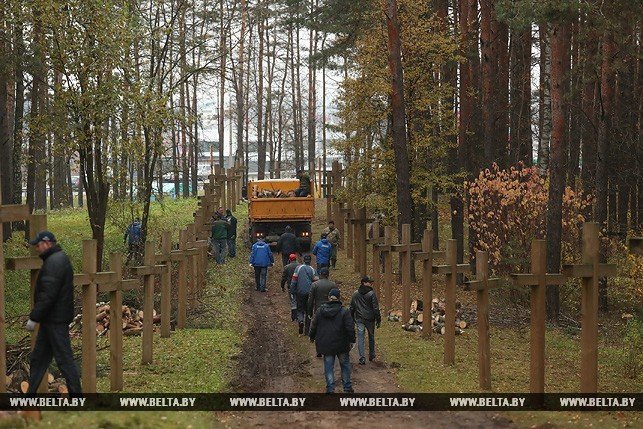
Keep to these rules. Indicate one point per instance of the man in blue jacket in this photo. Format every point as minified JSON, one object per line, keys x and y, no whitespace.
{"x":261,"y":258}
{"x":322,"y":251}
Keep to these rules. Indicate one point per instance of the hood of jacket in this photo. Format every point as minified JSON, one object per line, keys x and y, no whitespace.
{"x":50,"y":252}
{"x":325,"y":241}
{"x":363,"y":290}
{"x":330,"y":309}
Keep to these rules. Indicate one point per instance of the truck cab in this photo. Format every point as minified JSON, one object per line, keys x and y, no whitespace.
{"x":273,"y":206}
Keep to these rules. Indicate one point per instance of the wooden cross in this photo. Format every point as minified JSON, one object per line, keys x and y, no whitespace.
{"x":32,"y":263}
{"x":148,"y":270}
{"x":404,"y":249}
{"x":358,"y":223}
{"x":426,"y":256}
{"x":451,"y":269}
{"x":590,"y":271}
{"x":220,"y":177}
{"x":386,"y":249}
{"x":8,"y":213}
{"x":230,"y":192}
{"x":92,"y":283}
{"x":481,"y":285}
{"x":538,"y":280}
{"x":636,"y":245}
{"x":192,"y":251}
{"x":165,"y":258}
{"x":348,"y":213}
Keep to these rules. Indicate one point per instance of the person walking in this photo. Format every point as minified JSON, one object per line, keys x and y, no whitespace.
{"x":232,"y":234}
{"x":286,"y":277}
{"x":322,"y":251}
{"x":287,"y":244}
{"x":53,"y":309}
{"x":300,"y":284}
{"x":133,"y":239}
{"x":332,"y":234}
{"x":219,"y":238}
{"x":261,"y":258}
{"x":333,"y":332}
{"x":319,"y":290}
{"x":366,"y":313}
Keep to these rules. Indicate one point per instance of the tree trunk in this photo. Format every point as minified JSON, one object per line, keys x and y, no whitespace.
{"x":6,"y":125}
{"x":222,"y":80}
{"x":19,"y":52}
{"x":520,"y":140}
{"x":560,"y":51}
{"x":544,"y":93}
{"x":398,"y":107}
{"x":603,"y":145}
{"x":261,"y":144}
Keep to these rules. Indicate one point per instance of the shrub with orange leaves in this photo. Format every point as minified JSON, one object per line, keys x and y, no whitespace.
{"x":507,"y":211}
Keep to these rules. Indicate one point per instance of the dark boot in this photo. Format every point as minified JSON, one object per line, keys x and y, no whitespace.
{"x":293,"y":314}
{"x":301,"y":328}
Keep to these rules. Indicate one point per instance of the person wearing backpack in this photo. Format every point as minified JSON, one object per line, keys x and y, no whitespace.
{"x":333,"y":332}
{"x":366,"y":313}
{"x":322,"y":251}
{"x":133,"y":236}
{"x":300,"y":284}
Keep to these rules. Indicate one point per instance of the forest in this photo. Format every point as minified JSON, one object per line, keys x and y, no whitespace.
{"x":505,"y":119}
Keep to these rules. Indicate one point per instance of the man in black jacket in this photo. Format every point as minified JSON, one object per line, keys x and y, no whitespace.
{"x":54,"y":310}
{"x":366,"y":313}
{"x":333,"y":332}
{"x":287,"y":244}
{"x":319,"y":291}
{"x":286,"y":277}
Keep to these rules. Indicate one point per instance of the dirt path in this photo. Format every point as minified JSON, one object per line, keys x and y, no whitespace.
{"x":275,"y":359}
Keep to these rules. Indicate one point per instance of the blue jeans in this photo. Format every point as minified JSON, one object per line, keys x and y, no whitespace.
{"x":361,"y":328}
{"x":219,"y":249}
{"x":261,"y":274}
{"x":329,"y":371}
{"x":232,"y":247}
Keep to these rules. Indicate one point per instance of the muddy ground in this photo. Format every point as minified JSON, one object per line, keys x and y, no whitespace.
{"x":276,"y":359}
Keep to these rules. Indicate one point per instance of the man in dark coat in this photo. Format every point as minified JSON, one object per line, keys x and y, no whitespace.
{"x":232,"y":233}
{"x":333,"y":332}
{"x":54,"y":309}
{"x":287,"y":244}
{"x":319,"y":291}
{"x":366,"y":313}
{"x":219,"y":238}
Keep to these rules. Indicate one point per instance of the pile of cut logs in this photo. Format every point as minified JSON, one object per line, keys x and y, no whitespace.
{"x":131,"y":320}
{"x":265,"y":193}
{"x":17,"y":382}
{"x":416,"y":322}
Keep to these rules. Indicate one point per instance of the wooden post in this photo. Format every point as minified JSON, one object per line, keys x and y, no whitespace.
{"x":404,"y":249}
{"x":426,"y":256}
{"x":538,"y":280}
{"x":182,"y":278}
{"x":590,"y":271}
{"x":148,"y":271}
{"x":8,"y":213}
{"x":358,"y":223}
{"x":375,"y":263}
{"x":350,"y":237}
{"x":451,"y":270}
{"x":482,"y":284}
{"x":166,"y":280}
{"x":388,"y":267}
{"x":116,"y":330}
{"x":89,"y":292}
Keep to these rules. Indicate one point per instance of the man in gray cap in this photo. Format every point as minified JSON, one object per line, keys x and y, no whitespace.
{"x":333,"y":332}
{"x":54,"y":309}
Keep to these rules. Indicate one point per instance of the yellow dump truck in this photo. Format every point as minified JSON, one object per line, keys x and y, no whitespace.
{"x":273,"y":206}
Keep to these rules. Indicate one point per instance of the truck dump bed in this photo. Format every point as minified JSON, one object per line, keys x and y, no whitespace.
{"x":269,"y":201}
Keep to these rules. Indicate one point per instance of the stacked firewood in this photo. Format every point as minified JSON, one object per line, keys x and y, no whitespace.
{"x":266,"y":193}
{"x":131,"y":320}
{"x":438,"y":306}
{"x":16,"y":382}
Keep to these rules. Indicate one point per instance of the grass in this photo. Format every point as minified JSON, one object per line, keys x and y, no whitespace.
{"x":197,"y":359}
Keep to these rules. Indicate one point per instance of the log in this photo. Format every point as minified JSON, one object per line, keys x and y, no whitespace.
{"x":8,"y":379}
{"x":395,"y":313}
{"x":24,"y":386}
{"x":63,"y":389}
{"x":100,"y":328}
{"x":156,"y":319}
{"x":50,"y":378}
{"x":100,"y":316}
{"x":133,"y":331}
{"x":420,"y":318}
{"x":461,"y":324}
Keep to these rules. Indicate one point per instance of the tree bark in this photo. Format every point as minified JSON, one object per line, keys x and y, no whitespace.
{"x":398,"y":108}
{"x":560,"y":60}
{"x":520,"y":129}
{"x":544,"y":93}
